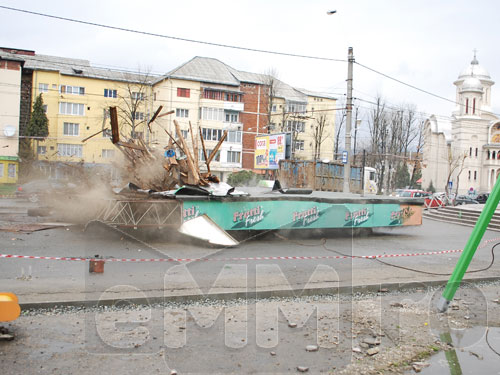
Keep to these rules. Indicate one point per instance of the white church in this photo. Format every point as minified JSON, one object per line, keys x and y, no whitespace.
{"x":468,"y":142}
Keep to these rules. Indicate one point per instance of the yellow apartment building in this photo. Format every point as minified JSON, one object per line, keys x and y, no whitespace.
{"x":205,"y":92}
{"x":76,"y":98}
{"x":309,"y":117}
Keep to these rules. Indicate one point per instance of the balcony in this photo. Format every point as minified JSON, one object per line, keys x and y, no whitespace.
{"x":234,"y":106}
{"x":232,"y":125}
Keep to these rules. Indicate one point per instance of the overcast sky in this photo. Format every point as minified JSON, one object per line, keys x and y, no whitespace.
{"x":424,"y":43}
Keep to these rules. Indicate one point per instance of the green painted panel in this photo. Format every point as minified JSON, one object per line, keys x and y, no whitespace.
{"x":283,"y":214}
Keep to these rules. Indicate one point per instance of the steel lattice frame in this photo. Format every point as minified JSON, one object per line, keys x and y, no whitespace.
{"x":142,"y":213}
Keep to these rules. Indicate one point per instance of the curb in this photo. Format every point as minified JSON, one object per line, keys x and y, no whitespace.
{"x":430,"y":217}
{"x":345,"y":290}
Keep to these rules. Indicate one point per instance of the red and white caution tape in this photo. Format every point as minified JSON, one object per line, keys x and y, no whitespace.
{"x":313,"y":257}
{"x":316,"y":257}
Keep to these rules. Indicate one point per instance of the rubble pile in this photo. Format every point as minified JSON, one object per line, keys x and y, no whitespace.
{"x":175,"y":166}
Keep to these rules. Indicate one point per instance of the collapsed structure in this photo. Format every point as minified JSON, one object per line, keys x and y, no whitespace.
{"x":202,"y":207}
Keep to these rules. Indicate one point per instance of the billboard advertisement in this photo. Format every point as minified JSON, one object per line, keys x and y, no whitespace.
{"x":294,"y":214}
{"x":269,"y":150}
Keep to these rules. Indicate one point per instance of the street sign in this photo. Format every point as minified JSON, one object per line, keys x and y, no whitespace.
{"x":344,"y":157}
{"x":450,"y":185}
{"x":170,"y":153}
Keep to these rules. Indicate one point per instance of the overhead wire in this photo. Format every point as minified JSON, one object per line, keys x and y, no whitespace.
{"x":229,"y":46}
{"x":169,"y":36}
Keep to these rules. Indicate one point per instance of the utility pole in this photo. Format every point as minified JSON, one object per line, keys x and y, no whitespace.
{"x":347,"y":166}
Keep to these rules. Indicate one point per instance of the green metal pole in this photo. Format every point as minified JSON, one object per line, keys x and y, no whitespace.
{"x":470,"y":248}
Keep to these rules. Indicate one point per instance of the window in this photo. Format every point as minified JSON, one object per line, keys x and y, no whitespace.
{"x":474,"y":106}
{"x":295,"y":107}
{"x":229,"y":97}
{"x":214,"y":114}
{"x":233,"y":156}
{"x":273,"y":108}
{"x":233,"y":136}
{"x":108,"y":93}
{"x":185,"y":134}
{"x":137,"y":135}
{"x":299,"y":145}
{"x":295,"y":126}
{"x":211,"y":134}
{"x":43,"y":87}
{"x":209,"y":152}
{"x":182,"y":92}
{"x":45,"y":108}
{"x":75,"y":109}
{"x":475,"y":175}
{"x":232,"y":116}
{"x":41,"y":150}
{"x":181,"y":112}
{"x":74,"y":90}
{"x":466,"y":106}
{"x":476,"y":152}
{"x":212,"y":94}
{"x":469,"y":175}
{"x":11,"y":172}
{"x":138,"y":95}
{"x":71,"y":129}
{"x":138,"y":115}
{"x":67,"y":149}
{"x":108,"y":154}
{"x":106,"y":133}
{"x":1,"y":169}
{"x":470,"y":151}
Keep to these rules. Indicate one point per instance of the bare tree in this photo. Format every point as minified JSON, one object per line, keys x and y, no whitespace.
{"x":319,"y":134}
{"x":417,"y":168}
{"x":134,"y":96}
{"x":341,"y":119}
{"x":379,"y":125}
{"x":271,"y":82}
{"x":356,"y":128}
{"x":456,"y":164}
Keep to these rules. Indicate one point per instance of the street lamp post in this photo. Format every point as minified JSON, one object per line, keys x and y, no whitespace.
{"x":347,"y":166}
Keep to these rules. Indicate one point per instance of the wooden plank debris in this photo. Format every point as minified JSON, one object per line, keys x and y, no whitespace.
{"x":93,"y":135}
{"x":160,"y":169}
{"x":216,"y":149}
{"x":115,"y":131}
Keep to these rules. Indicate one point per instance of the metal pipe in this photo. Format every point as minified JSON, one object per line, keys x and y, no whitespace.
{"x":471,"y":247}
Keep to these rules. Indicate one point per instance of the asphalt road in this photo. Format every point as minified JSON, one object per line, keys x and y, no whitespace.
{"x":51,"y":280}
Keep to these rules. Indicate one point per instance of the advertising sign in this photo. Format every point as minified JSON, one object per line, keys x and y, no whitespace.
{"x":269,"y":150}
{"x":283,"y":214}
{"x":344,"y":157}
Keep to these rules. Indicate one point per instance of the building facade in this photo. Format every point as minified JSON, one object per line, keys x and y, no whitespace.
{"x":76,"y":99}
{"x":215,"y":97}
{"x":462,"y":152}
{"x":10,"y":99}
{"x":206,"y":97}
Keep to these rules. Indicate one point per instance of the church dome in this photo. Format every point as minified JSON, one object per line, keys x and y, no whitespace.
{"x":476,"y":70}
{"x":472,"y":84}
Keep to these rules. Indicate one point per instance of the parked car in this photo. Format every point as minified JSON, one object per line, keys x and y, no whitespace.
{"x":35,"y":190}
{"x":464,"y":199}
{"x":435,"y":200}
{"x":482,"y":198}
{"x":413,"y":193}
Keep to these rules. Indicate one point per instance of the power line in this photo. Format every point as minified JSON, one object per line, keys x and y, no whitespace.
{"x":405,"y":84}
{"x":170,"y":37}
{"x":415,"y":87}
